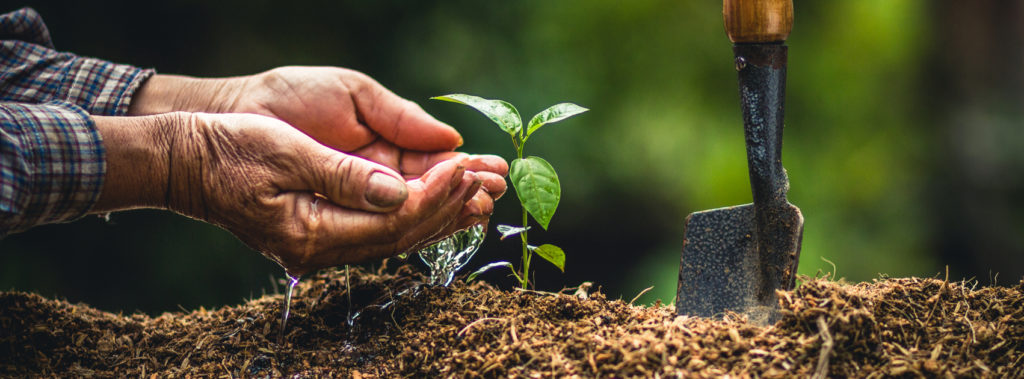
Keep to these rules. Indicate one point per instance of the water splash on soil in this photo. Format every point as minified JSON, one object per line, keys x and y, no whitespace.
{"x":446,"y":257}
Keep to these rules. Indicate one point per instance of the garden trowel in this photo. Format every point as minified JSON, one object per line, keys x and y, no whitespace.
{"x":735,"y":258}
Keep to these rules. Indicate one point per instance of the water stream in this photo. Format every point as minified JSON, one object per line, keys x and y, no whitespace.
{"x":446,"y":257}
{"x":292,"y":281}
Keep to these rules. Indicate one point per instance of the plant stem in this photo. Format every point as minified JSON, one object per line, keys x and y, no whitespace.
{"x":524,"y":279}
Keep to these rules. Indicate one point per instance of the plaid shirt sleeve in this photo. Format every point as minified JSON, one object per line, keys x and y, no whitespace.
{"x":52,"y":159}
{"x":32,"y":71}
{"x":51,"y":164}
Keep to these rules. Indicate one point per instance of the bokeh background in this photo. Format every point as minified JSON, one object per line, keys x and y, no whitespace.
{"x":904,"y":138}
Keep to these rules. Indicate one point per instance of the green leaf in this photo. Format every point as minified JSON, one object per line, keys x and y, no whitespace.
{"x":553,"y":254}
{"x":509,"y":230}
{"x":537,"y":186}
{"x":555,"y":113}
{"x":488,"y":267}
{"x":501,"y":112}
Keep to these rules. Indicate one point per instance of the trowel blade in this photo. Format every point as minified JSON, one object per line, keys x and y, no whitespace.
{"x":722,"y":269}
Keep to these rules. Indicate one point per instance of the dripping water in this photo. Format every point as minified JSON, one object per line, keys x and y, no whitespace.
{"x":447,"y":256}
{"x":348,"y":291}
{"x":292,"y":281}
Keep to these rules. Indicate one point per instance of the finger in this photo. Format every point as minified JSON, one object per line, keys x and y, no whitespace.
{"x":494,"y":184}
{"x":335,"y":235}
{"x":334,"y":125}
{"x":476,"y":211}
{"x":436,"y":226}
{"x":425,"y":227}
{"x":488,"y":163}
{"x":383,"y":152}
{"x":426,"y":196}
{"x":399,"y":120}
{"x":414,"y":162}
{"x":353,"y":182}
{"x":480,"y":207}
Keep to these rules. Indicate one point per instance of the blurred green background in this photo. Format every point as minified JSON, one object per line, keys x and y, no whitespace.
{"x":904,"y":139}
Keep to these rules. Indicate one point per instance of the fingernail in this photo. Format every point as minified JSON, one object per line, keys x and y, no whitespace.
{"x":473,"y":189}
{"x":457,"y":177}
{"x":460,"y":142}
{"x":385,"y":190}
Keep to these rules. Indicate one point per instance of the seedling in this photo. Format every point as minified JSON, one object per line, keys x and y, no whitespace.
{"x":533,"y":178}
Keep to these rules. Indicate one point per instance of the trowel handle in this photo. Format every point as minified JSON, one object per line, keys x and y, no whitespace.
{"x":757,"y":21}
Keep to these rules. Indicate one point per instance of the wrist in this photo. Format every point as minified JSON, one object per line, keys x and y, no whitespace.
{"x":178,"y":93}
{"x":138,"y":157}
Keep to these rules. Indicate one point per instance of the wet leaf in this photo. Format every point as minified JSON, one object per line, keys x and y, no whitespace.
{"x":487,"y":268}
{"x":509,"y":230}
{"x":553,"y":254}
{"x":499,"y":111}
{"x":553,"y":114}
{"x":537,"y":186}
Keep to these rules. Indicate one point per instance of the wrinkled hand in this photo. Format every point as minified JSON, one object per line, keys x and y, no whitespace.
{"x":351,"y":112}
{"x":341,"y":108}
{"x":302,"y":204}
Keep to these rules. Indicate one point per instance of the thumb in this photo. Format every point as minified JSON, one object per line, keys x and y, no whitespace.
{"x":356,"y":183}
{"x":400,"y":121}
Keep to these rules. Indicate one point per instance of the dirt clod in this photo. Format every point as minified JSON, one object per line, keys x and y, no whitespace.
{"x":891,"y":327}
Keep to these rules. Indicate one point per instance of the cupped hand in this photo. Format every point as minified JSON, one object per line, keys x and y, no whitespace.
{"x":341,"y":108}
{"x":300,"y":203}
{"x":353,"y":113}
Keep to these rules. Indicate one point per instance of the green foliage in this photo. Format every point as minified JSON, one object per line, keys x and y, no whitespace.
{"x":860,"y":142}
{"x":553,"y":254}
{"x":534,"y":179}
{"x":501,"y":112}
{"x":537,"y":186}
{"x":555,"y":113}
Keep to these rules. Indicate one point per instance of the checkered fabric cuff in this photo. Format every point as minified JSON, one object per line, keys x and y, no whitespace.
{"x":33,"y":73}
{"x":51,"y":164}
{"x":25,"y":24}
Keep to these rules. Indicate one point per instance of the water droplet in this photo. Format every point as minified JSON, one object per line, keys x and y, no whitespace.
{"x":741,"y":63}
{"x":446,"y":257}
{"x":292,"y":281}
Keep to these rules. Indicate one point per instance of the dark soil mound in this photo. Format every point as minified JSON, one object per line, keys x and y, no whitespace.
{"x":892,"y":327}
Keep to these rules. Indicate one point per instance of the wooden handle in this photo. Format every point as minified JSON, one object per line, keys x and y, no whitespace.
{"x":757,"y":21}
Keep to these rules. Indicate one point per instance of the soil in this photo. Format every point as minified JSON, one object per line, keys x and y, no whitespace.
{"x":890,"y":327}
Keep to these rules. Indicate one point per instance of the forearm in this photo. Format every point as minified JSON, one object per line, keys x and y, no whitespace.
{"x":138,"y":160}
{"x":173,"y":93}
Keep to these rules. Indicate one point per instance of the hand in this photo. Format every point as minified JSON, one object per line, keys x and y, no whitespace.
{"x":300,"y":203}
{"x":341,"y":108}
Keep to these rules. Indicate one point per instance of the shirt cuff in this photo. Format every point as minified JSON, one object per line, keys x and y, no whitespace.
{"x":52,"y":164}
{"x":103,"y":88}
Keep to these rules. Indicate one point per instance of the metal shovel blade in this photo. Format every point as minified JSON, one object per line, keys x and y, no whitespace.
{"x":721,"y":268}
{"x":734,"y":259}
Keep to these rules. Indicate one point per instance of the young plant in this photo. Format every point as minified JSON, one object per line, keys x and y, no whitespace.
{"x":533,"y":178}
